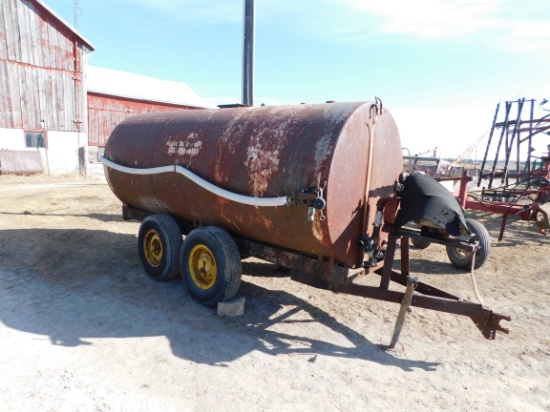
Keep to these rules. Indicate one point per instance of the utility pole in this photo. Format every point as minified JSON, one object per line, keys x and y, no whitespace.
{"x":248,"y":53}
{"x":75,"y":10}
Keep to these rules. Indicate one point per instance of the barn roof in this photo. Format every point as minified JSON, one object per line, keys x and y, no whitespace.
{"x":63,"y":22}
{"x":134,"y":86}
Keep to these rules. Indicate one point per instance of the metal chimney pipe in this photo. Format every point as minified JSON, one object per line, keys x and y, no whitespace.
{"x":248,"y":60}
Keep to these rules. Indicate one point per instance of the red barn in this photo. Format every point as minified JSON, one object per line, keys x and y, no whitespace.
{"x":115,"y":95}
{"x":42,"y":93}
{"x":52,"y":108}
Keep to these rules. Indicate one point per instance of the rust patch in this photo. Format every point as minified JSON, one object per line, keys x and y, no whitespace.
{"x":262,"y":164}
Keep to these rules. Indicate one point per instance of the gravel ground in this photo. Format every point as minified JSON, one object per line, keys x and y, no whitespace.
{"x":83,"y":329}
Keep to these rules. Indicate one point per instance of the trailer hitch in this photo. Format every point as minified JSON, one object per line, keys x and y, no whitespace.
{"x":489,"y":324}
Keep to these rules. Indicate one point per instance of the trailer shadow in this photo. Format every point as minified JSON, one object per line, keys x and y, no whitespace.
{"x":102,"y":217}
{"x":267,"y":309}
{"x":76,"y":285}
{"x":265,"y":269}
{"x":430,"y":267}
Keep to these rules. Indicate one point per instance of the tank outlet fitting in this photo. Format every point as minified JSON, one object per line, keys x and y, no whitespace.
{"x":311,"y":214}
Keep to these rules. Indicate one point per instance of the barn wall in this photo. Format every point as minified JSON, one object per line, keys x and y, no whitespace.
{"x":41,"y":66}
{"x":42,"y":62}
{"x":105,"y":112}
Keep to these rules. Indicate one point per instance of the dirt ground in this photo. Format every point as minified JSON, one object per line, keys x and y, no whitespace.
{"x":82,"y":328}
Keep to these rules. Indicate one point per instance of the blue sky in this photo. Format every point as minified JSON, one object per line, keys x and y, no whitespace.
{"x":440,"y":66}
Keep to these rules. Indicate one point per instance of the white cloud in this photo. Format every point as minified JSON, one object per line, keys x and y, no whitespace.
{"x":529,"y":35}
{"x":430,"y":18}
{"x":503,"y":23}
{"x":426,"y":128}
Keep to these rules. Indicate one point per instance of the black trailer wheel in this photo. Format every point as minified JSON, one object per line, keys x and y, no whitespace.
{"x":159,"y":244}
{"x":461,"y":258}
{"x":210,"y":265}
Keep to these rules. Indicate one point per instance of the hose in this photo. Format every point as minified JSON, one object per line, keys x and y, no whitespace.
{"x":218,"y":191}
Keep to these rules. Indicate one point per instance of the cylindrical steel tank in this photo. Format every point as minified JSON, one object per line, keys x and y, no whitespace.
{"x":263,"y":152}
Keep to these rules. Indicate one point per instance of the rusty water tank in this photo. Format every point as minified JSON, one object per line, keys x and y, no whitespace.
{"x":262,"y":152}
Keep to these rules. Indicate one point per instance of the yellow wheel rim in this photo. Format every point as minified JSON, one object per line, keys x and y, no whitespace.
{"x":202,"y":267}
{"x":152,"y":248}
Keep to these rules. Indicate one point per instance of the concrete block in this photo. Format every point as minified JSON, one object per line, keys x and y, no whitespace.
{"x":232,"y":307}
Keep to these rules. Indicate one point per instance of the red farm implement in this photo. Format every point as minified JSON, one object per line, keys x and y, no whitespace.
{"x":517,"y":183}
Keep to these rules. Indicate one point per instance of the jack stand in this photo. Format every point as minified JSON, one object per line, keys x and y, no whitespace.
{"x":405,"y":308}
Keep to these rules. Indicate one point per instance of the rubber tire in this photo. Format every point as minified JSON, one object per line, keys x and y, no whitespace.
{"x":228,"y":263}
{"x":462,"y":261}
{"x":171,"y":240}
{"x":420,"y":242}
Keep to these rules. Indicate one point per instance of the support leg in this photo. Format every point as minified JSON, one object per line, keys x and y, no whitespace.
{"x":502,"y":227}
{"x":405,"y":308}
{"x":388,"y":262}
{"x":405,"y":265}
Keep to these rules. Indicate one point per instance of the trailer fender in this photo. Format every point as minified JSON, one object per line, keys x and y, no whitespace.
{"x":426,"y":201}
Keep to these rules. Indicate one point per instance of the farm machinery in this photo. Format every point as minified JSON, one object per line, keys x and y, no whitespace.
{"x":317,"y":189}
{"x":516,"y":183}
